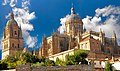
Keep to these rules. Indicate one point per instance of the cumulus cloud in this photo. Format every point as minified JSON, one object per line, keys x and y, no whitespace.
{"x":110,"y":24}
{"x":62,"y":28}
{"x":108,"y":10}
{"x":23,"y":17}
{"x":90,"y":22}
{"x":25,"y":4}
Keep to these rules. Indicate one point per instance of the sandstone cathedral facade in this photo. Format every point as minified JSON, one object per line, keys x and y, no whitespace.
{"x":59,"y":45}
{"x":76,"y":37}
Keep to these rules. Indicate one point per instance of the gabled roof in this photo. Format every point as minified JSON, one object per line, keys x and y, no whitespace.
{"x":87,"y":38}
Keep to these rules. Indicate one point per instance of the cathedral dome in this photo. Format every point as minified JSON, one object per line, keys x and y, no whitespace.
{"x":73,"y":17}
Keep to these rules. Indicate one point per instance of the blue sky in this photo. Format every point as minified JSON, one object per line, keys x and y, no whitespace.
{"x":44,"y":16}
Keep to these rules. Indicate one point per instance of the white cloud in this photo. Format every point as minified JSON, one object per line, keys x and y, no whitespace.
{"x":112,"y":23}
{"x":25,"y":4}
{"x":31,"y":41}
{"x":61,"y":29}
{"x":12,"y":3}
{"x":90,"y":22}
{"x":23,"y":16}
{"x":108,"y":10}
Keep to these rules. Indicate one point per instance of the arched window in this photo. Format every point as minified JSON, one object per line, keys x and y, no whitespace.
{"x":18,"y":46}
{"x":15,"y":32}
{"x":12,"y":44}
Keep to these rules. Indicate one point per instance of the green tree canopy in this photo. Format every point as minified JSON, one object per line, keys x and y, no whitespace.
{"x":108,"y":67}
{"x":79,"y":56}
{"x":19,"y":58}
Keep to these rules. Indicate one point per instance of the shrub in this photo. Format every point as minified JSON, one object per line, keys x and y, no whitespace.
{"x":60,"y":62}
{"x":38,"y":64}
{"x":49,"y":62}
{"x":3,"y":65}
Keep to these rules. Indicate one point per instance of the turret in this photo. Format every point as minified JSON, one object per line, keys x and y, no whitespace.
{"x":114,"y":39}
{"x":25,"y":50}
{"x":44,"y":46}
{"x":44,"y":39}
{"x":101,"y":37}
{"x":55,"y":43}
{"x":59,"y":49}
{"x":34,"y":52}
{"x":11,"y":16}
{"x":84,"y":30}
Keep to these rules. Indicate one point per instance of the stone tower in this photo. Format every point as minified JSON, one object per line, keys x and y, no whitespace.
{"x":114,"y":42}
{"x":114,"y":39}
{"x":12,"y":38}
{"x":43,"y":51}
{"x":102,"y":39}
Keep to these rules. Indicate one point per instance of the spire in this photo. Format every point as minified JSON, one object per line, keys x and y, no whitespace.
{"x":114,"y":34}
{"x":114,"y":38}
{"x":100,"y":30}
{"x":20,"y":27}
{"x":84,"y":29}
{"x":11,"y":16}
{"x":100,"y":33}
{"x":72,"y":9}
{"x":44,"y":38}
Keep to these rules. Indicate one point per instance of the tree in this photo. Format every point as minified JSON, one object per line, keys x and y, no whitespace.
{"x":11,"y":61}
{"x":29,"y":58}
{"x":42,"y":59}
{"x":3,"y":65}
{"x":79,"y":56}
{"x":49,"y":62}
{"x":108,"y":67}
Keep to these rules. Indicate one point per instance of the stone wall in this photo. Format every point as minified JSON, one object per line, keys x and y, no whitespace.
{"x":55,"y":68}
{"x":23,"y":68}
{"x":9,"y":70}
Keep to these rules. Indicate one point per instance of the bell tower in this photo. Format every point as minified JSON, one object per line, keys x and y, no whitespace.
{"x":12,"y":38}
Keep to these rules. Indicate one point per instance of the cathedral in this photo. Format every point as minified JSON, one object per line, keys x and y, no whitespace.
{"x":59,"y":45}
{"x":76,"y":37}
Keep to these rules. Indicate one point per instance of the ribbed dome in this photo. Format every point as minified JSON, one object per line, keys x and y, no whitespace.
{"x":73,"y":16}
